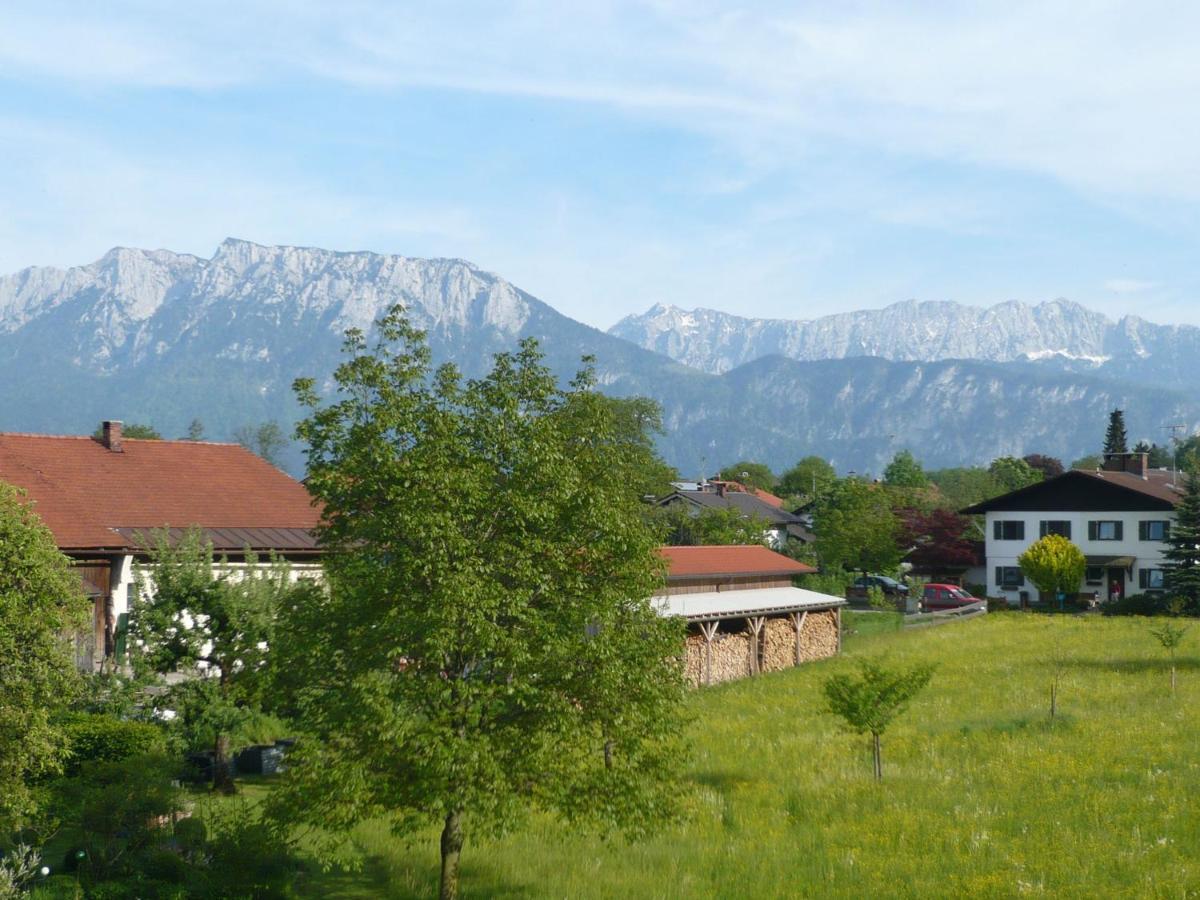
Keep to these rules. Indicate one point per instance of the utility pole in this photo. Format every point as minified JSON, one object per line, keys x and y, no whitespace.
{"x":1175,"y":431}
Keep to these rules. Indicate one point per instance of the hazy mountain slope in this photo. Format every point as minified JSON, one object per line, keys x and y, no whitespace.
{"x":164,"y":338}
{"x":1059,"y":335}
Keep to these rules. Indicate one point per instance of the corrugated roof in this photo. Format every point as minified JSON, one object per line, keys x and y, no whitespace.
{"x":92,"y":498}
{"x":727,"y":604}
{"x":737,"y":559}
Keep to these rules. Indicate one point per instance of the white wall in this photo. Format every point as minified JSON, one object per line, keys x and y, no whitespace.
{"x":1147,"y":554}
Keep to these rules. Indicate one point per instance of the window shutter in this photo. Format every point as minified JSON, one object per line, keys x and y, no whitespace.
{"x":1066,"y":530}
{"x":1143,"y":578}
{"x":1166,"y":530}
{"x":1093,"y":528}
{"x":1120,"y":530}
{"x":1043,"y":528}
{"x":999,"y":576}
{"x":997,"y":531}
{"x":1143,"y":531}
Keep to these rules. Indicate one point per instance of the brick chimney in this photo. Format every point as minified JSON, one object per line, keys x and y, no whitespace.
{"x":111,"y":435}
{"x":1134,"y":463}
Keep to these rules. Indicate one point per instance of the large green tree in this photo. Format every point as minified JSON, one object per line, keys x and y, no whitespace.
{"x":1014,"y":474}
{"x":807,"y":478}
{"x":637,"y":420}
{"x":856,"y":528}
{"x":488,"y":645}
{"x":686,"y":526}
{"x":1181,"y":575}
{"x":1115,"y":440}
{"x":41,"y":600}
{"x":195,"y":614}
{"x":904,"y":471}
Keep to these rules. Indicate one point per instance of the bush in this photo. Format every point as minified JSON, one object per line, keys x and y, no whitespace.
{"x":1137,"y":605}
{"x":98,"y":738}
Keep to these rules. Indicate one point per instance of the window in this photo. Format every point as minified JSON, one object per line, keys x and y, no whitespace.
{"x":1094,"y":575}
{"x":1009,"y":578}
{"x":1106,"y":531}
{"x":1150,"y":579}
{"x":1056,"y":526}
{"x":1154,"y":530}
{"x":1008,"y":531}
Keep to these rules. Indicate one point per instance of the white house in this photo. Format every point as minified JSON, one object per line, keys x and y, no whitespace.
{"x":103,"y":499}
{"x":1118,"y":515}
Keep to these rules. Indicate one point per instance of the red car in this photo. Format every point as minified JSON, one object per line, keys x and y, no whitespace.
{"x":946,"y":596}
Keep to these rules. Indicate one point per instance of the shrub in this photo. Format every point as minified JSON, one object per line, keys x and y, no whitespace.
{"x":98,"y":738}
{"x":1137,"y":605}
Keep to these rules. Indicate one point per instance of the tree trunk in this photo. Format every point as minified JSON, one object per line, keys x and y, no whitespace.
{"x":452,"y":841}
{"x":1172,"y":679}
{"x":222,"y":774}
{"x":608,"y":754}
{"x":878,"y":756}
{"x":1053,"y":697}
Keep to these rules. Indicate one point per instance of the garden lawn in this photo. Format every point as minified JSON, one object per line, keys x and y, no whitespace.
{"x":982,"y":796}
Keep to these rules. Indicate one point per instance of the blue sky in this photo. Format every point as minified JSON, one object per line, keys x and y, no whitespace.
{"x":765,"y":159}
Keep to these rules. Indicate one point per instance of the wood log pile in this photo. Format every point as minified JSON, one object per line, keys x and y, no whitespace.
{"x":731,"y":651}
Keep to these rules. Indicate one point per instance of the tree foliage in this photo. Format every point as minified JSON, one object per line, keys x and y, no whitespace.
{"x":905,"y":471}
{"x":1088,"y":463}
{"x":940,"y":540}
{"x":685,"y":526}
{"x":856,"y":528}
{"x":1013,"y":474}
{"x":1115,"y":440}
{"x":1181,"y":571}
{"x":810,"y":477}
{"x":41,"y":600}
{"x":1049,"y":466}
{"x":133,"y":430}
{"x":870,"y":702}
{"x":1054,"y":565}
{"x":751,"y":474}
{"x":488,"y":646}
{"x":266,"y":440}
{"x":965,"y":486}
{"x":636,"y":421}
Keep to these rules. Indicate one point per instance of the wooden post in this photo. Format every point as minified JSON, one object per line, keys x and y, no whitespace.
{"x":708,"y":629}
{"x":838,"y":618}
{"x":799,"y":618}
{"x":756,"y":624}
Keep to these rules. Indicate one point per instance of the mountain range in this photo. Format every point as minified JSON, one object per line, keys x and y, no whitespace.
{"x":164,"y":338}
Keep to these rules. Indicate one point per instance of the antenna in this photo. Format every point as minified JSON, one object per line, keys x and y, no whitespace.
{"x":1175,"y":430}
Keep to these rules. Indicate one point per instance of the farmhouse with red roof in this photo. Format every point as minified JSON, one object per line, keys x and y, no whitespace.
{"x":103,"y":498}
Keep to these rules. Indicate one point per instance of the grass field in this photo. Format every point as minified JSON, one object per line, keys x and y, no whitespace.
{"x":983,"y":796}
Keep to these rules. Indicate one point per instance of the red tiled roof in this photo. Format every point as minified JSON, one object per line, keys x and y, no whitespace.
{"x":738,"y":559}
{"x":84,"y":492}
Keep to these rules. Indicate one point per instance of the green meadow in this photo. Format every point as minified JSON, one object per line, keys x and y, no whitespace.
{"x":983,"y":795}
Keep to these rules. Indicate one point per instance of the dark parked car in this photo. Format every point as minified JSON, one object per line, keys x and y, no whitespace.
{"x":890,"y":586}
{"x":946,"y":596}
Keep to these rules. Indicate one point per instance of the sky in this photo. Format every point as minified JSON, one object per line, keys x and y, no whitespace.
{"x":774,"y":159}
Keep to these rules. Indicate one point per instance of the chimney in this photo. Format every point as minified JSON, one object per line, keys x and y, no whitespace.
{"x":111,"y":435}
{"x":1137,"y":464}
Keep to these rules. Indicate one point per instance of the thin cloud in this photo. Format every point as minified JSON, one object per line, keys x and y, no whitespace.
{"x":1129,"y":286}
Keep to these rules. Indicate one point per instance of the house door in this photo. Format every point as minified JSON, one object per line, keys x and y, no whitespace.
{"x":92,"y":648}
{"x":1116,"y":584}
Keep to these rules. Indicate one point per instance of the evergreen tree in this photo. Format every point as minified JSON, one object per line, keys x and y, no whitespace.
{"x":1181,"y":577}
{"x":1115,"y":440}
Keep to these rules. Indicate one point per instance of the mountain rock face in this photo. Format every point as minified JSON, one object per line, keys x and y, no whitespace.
{"x":1059,"y":334}
{"x":164,"y":338}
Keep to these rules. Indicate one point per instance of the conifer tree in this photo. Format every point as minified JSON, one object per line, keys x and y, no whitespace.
{"x":1115,"y":440}
{"x":1181,"y":577}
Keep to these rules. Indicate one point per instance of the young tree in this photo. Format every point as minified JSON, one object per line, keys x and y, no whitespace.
{"x":41,"y":600}
{"x":856,"y":528}
{"x":869,"y":703}
{"x":1170,"y":636}
{"x":904,"y":471}
{"x":195,"y":614}
{"x":266,"y":440}
{"x":1181,"y":571}
{"x":751,"y":474}
{"x":1115,"y":440}
{"x":686,"y":527}
{"x":809,"y":477}
{"x":488,"y":645}
{"x":195,"y":431}
{"x":1013,"y":474}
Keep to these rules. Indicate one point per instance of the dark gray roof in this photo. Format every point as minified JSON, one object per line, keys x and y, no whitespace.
{"x":746,"y":504}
